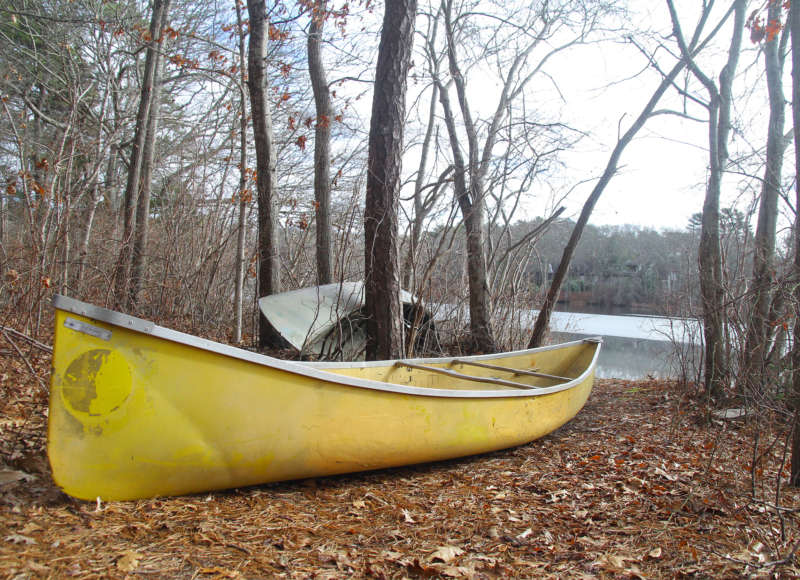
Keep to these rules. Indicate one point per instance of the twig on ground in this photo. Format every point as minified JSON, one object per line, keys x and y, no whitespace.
{"x":772,"y":506}
{"x":762,"y":565}
{"x":26,"y":338}
{"x":27,"y":362}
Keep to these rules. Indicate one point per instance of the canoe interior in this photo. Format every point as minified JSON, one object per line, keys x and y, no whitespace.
{"x":567,"y":362}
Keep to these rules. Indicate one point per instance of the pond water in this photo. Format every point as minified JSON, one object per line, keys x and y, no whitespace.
{"x":633,"y":346}
{"x":630,"y":358}
{"x":655,"y":328}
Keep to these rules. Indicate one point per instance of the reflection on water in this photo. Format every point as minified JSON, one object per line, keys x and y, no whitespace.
{"x":634,"y":326}
{"x":629,"y":358}
{"x":634,"y":346}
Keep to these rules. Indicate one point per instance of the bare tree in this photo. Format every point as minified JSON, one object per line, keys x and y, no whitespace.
{"x":140,"y":144}
{"x":709,"y":256}
{"x":543,"y":319}
{"x":756,"y":346}
{"x":141,"y":230}
{"x":794,"y":25}
{"x":522,"y":40}
{"x":103,"y":45}
{"x":689,"y":51}
{"x":258,"y":83}
{"x":381,"y":291}
{"x":244,"y":196}
{"x":424,"y":204}
{"x":322,"y":142}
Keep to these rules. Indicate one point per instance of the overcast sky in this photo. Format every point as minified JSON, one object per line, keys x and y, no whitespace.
{"x":661,"y":181}
{"x":662,"y":172}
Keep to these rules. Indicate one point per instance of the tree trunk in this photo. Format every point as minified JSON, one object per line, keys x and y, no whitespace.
{"x":142,"y":227}
{"x":481,"y":335}
{"x":94,"y":200}
{"x":102,"y":151}
{"x":420,"y":208}
{"x":711,"y":284}
{"x":63,"y":231}
{"x":480,"y":308}
{"x":258,"y":83}
{"x":470,"y":197}
{"x":758,"y":330}
{"x":794,"y":23}
{"x":381,"y":287}
{"x":3,"y":230}
{"x":712,"y":290}
{"x":241,"y":233}
{"x":122,"y":269}
{"x":322,"y":143}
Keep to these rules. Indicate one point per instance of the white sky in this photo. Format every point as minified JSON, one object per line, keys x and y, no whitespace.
{"x":660,"y":182}
{"x":661,"y":179}
{"x":662,"y":172}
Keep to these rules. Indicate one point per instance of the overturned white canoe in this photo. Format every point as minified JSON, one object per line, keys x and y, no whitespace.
{"x":324,"y":321}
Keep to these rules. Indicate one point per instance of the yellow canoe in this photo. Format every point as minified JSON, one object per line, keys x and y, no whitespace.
{"x":138,"y":410}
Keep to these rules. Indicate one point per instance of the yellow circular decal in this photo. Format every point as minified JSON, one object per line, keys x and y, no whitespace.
{"x":96,"y":383}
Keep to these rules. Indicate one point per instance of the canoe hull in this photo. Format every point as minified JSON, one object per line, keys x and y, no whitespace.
{"x":134,"y":415}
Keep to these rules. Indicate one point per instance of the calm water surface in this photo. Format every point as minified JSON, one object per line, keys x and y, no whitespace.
{"x":633,"y":346}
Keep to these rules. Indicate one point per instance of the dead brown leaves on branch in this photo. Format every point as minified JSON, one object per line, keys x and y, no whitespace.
{"x":636,"y":486}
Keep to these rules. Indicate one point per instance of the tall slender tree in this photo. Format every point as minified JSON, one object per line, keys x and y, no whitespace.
{"x":241,"y":233}
{"x":423,"y":205}
{"x":520,"y":38}
{"x":381,"y":279}
{"x":758,"y":327}
{"x":691,"y":49}
{"x":142,"y":228}
{"x":794,"y":24}
{"x":322,"y":142}
{"x":258,"y":83}
{"x":545,"y":312}
{"x":155,"y":39}
{"x":712,"y":287}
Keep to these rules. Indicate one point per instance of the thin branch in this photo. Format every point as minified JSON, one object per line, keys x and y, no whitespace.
{"x":27,"y":362}
{"x":33,"y":342}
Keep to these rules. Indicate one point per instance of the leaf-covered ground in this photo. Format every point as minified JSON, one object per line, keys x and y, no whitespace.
{"x":638,"y":485}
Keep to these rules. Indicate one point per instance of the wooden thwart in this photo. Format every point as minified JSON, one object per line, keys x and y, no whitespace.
{"x":510,"y":370}
{"x":457,"y":375}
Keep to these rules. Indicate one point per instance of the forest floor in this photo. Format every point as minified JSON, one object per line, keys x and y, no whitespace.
{"x":638,"y":485}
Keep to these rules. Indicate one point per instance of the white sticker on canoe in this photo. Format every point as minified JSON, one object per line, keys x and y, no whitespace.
{"x":89,"y":329}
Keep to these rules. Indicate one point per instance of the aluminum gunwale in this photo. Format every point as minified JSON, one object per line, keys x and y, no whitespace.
{"x":317,"y":370}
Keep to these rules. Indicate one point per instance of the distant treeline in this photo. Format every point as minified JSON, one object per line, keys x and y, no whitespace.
{"x":620,"y":268}
{"x":637,"y":269}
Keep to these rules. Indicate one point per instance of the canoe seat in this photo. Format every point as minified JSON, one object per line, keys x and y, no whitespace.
{"x":530,"y":372}
{"x":457,"y":375}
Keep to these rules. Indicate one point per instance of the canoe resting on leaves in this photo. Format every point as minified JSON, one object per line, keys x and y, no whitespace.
{"x":138,"y":410}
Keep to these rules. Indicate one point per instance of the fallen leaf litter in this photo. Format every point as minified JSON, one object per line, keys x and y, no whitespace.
{"x":636,"y":486}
